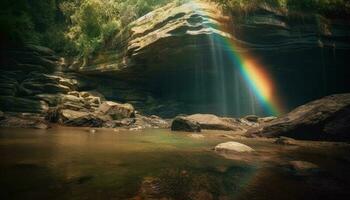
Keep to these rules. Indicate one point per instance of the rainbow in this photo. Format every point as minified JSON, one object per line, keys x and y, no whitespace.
{"x":258,"y":81}
{"x":254,"y":74}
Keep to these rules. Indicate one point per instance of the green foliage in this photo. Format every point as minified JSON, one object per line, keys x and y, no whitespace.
{"x":84,"y":26}
{"x":70,"y":26}
{"x":93,"y":22}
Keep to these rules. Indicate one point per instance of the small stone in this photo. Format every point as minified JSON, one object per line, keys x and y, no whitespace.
{"x":92,"y":130}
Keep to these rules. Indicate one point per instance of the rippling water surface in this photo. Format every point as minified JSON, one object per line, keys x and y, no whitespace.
{"x":72,"y":163}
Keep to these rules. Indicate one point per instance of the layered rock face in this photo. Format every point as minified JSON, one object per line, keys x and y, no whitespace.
{"x":183,"y":59}
{"x":25,"y":73}
{"x":34,"y":97}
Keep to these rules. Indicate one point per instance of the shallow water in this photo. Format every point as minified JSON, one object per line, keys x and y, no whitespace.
{"x":72,"y":163}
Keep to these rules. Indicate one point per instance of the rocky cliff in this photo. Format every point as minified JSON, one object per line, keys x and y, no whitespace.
{"x":181,"y":58}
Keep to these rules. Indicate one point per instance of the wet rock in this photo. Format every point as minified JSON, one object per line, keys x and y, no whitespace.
{"x":127,"y":122}
{"x":323,"y":119}
{"x":88,"y":120}
{"x":117,"y":110}
{"x":211,"y":122}
{"x":18,"y":121}
{"x":81,"y":119}
{"x":185,"y":124}
{"x":232,"y":147}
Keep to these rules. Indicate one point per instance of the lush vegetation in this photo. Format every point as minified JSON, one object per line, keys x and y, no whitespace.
{"x":70,"y":26}
{"x":80,"y":27}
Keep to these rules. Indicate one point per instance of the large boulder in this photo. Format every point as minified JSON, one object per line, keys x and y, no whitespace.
{"x":185,"y":124}
{"x":117,"y":110}
{"x":81,"y":119}
{"x":212,"y":122}
{"x":323,"y":119}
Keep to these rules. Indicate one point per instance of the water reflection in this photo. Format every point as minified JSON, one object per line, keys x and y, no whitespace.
{"x":70,"y":163}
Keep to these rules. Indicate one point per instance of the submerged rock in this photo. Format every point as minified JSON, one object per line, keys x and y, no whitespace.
{"x":232,"y":147}
{"x":303,"y":167}
{"x":196,"y":136}
{"x":150,"y":189}
{"x":323,"y":119}
{"x":185,"y":124}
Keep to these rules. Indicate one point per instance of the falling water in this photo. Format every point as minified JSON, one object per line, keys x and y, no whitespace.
{"x":217,"y":63}
{"x":219,"y":84}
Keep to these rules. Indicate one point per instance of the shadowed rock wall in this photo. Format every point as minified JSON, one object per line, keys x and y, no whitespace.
{"x":177,"y":60}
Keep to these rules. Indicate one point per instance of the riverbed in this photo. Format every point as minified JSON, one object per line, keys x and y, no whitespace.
{"x":77,"y":163}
